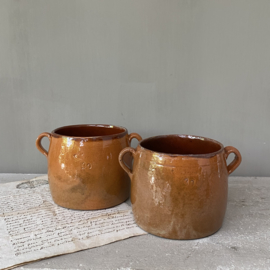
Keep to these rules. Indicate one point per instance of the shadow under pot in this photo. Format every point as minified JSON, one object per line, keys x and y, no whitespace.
{"x":179,"y":185}
{"x":83,"y":168}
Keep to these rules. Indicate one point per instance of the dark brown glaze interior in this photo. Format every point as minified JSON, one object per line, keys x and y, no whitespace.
{"x":181,"y":145}
{"x":89,"y":131}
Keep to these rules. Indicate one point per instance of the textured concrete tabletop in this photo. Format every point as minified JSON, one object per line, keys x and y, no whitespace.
{"x":242,"y":243}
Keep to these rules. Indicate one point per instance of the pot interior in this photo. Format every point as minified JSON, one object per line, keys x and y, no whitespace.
{"x":89,"y":130}
{"x":181,"y":145}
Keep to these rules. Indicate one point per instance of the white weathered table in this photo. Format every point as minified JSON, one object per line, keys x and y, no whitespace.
{"x":242,"y":243}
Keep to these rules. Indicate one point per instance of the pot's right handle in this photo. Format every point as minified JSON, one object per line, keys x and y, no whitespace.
{"x":38,"y":142}
{"x":237,"y":159}
{"x":121,"y":160}
{"x":132,"y":136}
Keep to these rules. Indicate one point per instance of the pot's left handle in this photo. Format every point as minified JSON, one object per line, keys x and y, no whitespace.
{"x":134,"y":136}
{"x":39,"y":145}
{"x":122,"y":163}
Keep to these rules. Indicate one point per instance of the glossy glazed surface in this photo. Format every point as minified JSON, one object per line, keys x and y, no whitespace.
{"x":179,"y":185}
{"x":83,"y":168}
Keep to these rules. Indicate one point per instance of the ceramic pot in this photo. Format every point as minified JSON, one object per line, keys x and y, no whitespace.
{"x":83,"y":168}
{"x":179,"y":185}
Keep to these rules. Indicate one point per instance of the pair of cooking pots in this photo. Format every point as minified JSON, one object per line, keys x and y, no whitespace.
{"x":179,"y":183}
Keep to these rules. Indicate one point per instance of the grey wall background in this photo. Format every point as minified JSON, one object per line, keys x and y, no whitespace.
{"x":155,"y":67}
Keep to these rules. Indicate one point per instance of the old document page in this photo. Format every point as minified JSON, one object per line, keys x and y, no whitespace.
{"x":33,"y":227}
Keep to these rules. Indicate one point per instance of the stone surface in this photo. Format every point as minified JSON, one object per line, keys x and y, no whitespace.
{"x":242,"y":243}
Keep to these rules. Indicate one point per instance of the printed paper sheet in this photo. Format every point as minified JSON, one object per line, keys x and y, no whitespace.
{"x":33,"y":227}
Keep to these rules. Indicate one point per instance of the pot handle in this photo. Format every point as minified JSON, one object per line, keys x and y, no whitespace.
{"x":121,"y":161}
{"x":237,"y":159}
{"x":38,"y":142}
{"x":134,"y":136}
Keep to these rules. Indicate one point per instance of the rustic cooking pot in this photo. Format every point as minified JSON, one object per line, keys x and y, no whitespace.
{"x":179,"y":185}
{"x":83,"y":168}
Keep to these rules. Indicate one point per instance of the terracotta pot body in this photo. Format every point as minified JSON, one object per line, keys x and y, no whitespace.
{"x":179,"y":185}
{"x":83,"y":168}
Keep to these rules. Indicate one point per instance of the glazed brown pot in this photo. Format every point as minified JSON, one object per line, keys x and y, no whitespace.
{"x":83,"y":168}
{"x":179,"y":185}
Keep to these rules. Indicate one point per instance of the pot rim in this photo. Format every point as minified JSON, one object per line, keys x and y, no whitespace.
{"x":94,"y":138}
{"x":207,"y":155}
